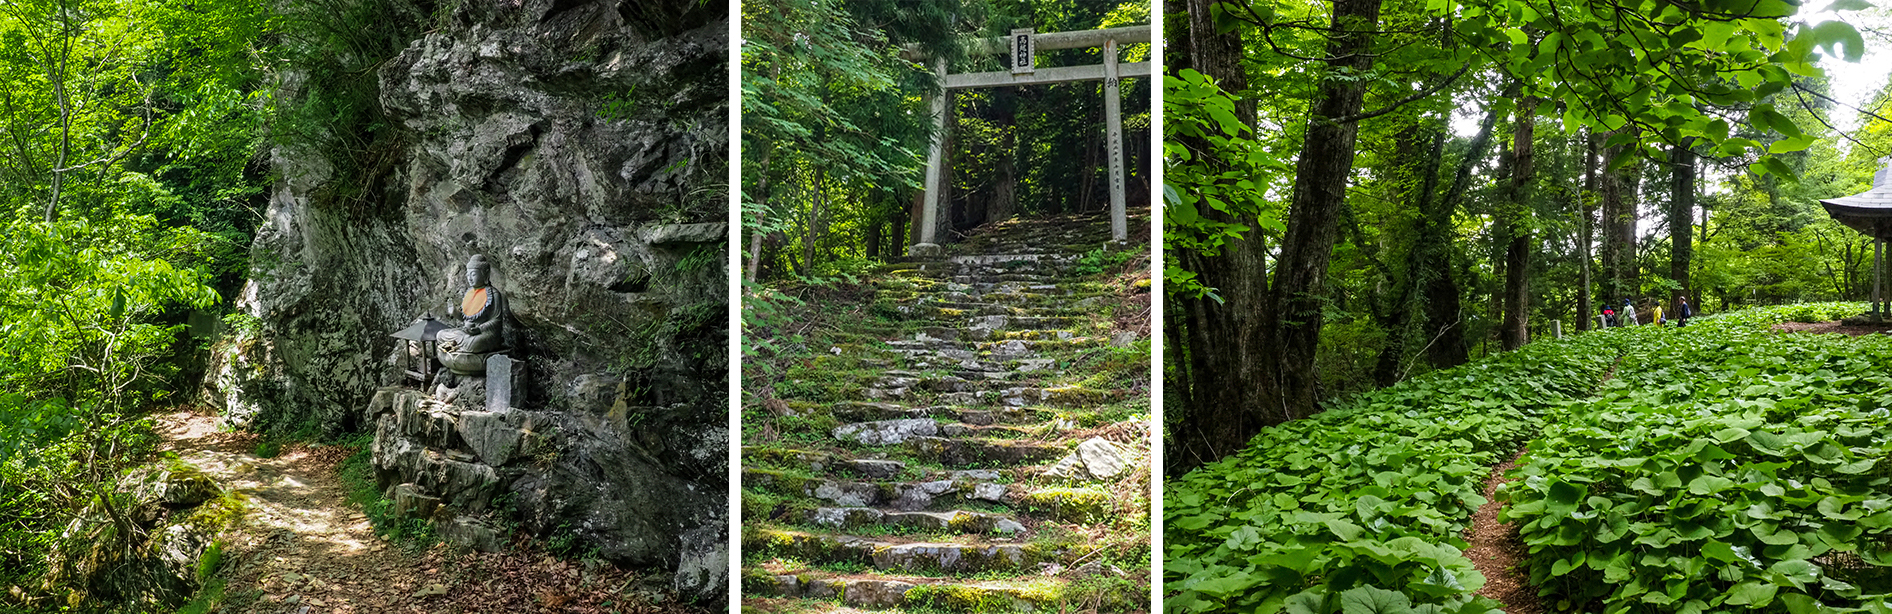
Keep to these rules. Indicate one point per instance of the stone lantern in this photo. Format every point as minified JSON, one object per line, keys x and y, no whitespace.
{"x":1870,"y":213}
{"x":420,"y":349}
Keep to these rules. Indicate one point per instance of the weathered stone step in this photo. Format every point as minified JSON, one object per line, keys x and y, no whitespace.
{"x":895,"y":432}
{"x":966,"y":452}
{"x":995,"y":393}
{"x":861,"y":411}
{"x":953,"y":389}
{"x":968,"y":557}
{"x":955,"y":308}
{"x":875,"y":591}
{"x":910,"y":496}
{"x":838,"y":464}
{"x":953,"y":521}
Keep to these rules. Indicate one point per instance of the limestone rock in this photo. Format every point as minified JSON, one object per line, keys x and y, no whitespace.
{"x":472,"y":533}
{"x":842,"y":517}
{"x":411,"y":502}
{"x":876,"y":468}
{"x":703,"y":570}
{"x":596,"y":221}
{"x":875,"y":593}
{"x":1094,"y":459}
{"x":989,"y":492}
{"x":886,"y":432}
{"x":492,"y":435}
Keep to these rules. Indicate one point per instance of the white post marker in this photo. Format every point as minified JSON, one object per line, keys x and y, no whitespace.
{"x":1113,"y":116}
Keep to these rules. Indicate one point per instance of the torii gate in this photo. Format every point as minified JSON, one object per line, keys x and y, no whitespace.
{"x":1024,"y":45}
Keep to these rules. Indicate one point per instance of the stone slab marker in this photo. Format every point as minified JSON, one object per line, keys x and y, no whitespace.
{"x":502,"y":378}
{"x":1557,"y":328}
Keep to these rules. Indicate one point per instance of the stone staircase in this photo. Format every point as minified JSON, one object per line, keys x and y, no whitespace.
{"x":980,"y":446}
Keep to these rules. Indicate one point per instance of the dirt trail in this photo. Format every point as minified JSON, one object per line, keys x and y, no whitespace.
{"x":300,"y":543}
{"x":302,"y":548}
{"x":1497,"y":553}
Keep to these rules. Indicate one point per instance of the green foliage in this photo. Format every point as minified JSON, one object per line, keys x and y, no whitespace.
{"x":1726,"y":466}
{"x":1369,"y":496}
{"x":1217,"y":191}
{"x":1100,"y":260}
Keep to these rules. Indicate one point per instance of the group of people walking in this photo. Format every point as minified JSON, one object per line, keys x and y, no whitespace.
{"x":1626,"y":316}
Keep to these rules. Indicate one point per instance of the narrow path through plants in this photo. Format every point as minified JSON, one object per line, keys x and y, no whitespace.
{"x":1495,"y":549}
{"x":1497,"y":553}
{"x":303,"y":548}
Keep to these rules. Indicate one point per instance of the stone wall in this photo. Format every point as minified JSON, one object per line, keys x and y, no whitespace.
{"x":580,"y":147}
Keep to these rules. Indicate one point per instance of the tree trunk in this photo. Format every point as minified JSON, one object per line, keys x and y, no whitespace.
{"x":1619,"y":229}
{"x":1226,"y":342}
{"x":1320,"y":188}
{"x":1005,"y":192}
{"x":1517,"y":256}
{"x":897,"y":225}
{"x":1681,"y":219}
{"x":1586,"y":234}
{"x":813,"y":229}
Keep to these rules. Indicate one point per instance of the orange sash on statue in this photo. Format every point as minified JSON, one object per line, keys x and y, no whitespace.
{"x":474,"y":303}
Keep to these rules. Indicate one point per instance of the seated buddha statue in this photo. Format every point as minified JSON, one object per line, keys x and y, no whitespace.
{"x":463,"y":349}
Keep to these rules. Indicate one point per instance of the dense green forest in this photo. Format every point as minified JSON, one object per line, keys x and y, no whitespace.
{"x":131,"y":187}
{"x":1362,"y":191}
{"x":1381,"y":217}
{"x":1719,"y":467}
{"x":837,"y":125}
{"x":135,"y":166}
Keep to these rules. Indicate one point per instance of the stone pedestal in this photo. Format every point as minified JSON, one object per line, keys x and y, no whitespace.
{"x":925,"y":250}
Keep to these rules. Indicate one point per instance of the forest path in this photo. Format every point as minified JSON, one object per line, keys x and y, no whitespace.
{"x":1497,"y":553}
{"x":303,"y":548}
{"x":1495,"y":548}
{"x":301,"y":544}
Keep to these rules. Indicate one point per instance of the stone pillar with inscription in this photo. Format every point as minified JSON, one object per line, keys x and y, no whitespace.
{"x":935,"y":169}
{"x":1113,"y":116}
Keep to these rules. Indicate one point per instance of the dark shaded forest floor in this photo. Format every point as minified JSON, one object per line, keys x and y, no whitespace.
{"x":303,"y":548}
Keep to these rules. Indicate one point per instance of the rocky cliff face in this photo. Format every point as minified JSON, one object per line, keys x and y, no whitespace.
{"x":580,"y":146}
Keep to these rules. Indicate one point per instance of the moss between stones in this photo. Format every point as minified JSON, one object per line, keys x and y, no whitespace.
{"x":1070,"y":504}
{"x":963,"y":598}
{"x":758,"y":581}
{"x":1075,"y":395}
{"x":805,"y":546}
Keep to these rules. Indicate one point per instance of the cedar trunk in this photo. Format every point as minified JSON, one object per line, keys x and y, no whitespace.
{"x":1517,"y":255}
{"x":1681,"y":219}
